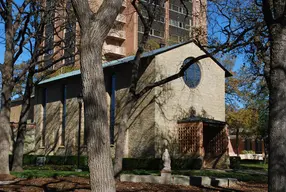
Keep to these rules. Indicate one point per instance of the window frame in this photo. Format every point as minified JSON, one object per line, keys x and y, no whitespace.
{"x":64,"y":114}
{"x":112,"y":108}
{"x":44,"y":123}
{"x":187,"y":80}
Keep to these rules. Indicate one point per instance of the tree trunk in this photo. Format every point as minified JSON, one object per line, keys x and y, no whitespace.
{"x":94,"y":28}
{"x":237,"y":142}
{"x":266,"y":157}
{"x":95,"y":105}
{"x":18,"y":147}
{"x":277,"y":116}
{"x":5,"y":129}
{"x":5,"y":134}
{"x":7,"y":88}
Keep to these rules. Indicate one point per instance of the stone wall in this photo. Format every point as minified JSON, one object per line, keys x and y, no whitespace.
{"x":16,"y":107}
{"x":155,"y":115}
{"x":29,"y":143}
{"x":174,"y":104}
{"x":141,"y":125}
{"x":55,"y":143}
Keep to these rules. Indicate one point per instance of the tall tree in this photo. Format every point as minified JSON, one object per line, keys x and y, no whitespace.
{"x":95,"y":23}
{"x":42,"y":18}
{"x":266,"y":41}
{"x":7,"y":85}
{"x":24,"y":23}
{"x":274,"y":16}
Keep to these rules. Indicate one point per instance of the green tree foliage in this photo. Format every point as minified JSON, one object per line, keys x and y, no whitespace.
{"x":247,"y":90}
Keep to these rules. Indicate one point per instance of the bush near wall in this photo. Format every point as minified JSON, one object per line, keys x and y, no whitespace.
{"x":234,"y":162}
{"x":55,"y":160}
{"x":147,"y":164}
{"x":128,"y":163}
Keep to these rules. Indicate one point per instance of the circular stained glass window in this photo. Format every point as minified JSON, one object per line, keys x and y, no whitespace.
{"x":192,"y":75}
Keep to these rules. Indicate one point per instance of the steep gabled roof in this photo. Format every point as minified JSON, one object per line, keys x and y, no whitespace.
{"x":131,"y":58}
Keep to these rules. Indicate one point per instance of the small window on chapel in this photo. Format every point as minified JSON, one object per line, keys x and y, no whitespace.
{"x":192,"y":76}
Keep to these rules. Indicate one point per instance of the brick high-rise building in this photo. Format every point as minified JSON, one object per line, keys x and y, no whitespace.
{"x":172,"y":24}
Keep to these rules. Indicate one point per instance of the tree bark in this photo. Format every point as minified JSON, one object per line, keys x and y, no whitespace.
{"x":95,"y":105}
{"x":7,"y":88}
{"x":277,"y":116}
{"x":237,"y":142}
{"x":5,"y":131}
{"x":18,"y":146}
{"x":94,"y":29}
{"x":274,"y":17}
{"x":266,"y":153}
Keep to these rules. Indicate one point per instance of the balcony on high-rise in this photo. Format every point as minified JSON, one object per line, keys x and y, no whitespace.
{"x":124,"y":3}
{"x":113,"y":50}
{"x":121,"y":18}
{"x":116,"y":34}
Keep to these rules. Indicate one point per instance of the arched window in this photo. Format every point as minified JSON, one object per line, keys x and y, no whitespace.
{"x":192,"y":76}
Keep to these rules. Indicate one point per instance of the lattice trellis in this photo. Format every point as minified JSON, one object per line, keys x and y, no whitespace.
{"x":189,"y":138}
{"x":218,"y":145}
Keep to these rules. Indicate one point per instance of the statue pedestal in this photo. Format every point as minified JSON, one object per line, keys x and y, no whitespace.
{"x":166,"y":177}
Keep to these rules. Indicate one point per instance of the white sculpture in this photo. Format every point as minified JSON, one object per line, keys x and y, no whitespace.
{"x":167,"y":161}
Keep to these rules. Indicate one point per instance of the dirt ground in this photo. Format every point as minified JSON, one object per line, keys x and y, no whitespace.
{"x":82,"y":184}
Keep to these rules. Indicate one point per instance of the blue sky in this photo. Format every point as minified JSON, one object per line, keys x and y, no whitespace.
{"x":24,"y":56}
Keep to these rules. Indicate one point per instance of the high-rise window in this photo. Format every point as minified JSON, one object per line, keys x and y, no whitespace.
{"x":178,"y":24}
{"x":258,"y":146}
{"x":70,"y":34}
{"x":49,"y":31}
{"x":248,"y":144}
{"x":64,"y":115}
{"x":177,"y":9}
{"x":44,"y":105}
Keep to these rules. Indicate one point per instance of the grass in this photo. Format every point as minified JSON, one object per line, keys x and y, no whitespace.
{"x":254,"y":166}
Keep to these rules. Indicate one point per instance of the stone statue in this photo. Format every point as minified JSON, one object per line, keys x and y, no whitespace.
{"x":167,"y":161}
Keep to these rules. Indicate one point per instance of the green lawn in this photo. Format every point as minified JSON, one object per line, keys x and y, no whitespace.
{"x":254,"y":166}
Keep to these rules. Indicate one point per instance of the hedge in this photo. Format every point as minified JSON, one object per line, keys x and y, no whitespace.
{"x":128,"y":163}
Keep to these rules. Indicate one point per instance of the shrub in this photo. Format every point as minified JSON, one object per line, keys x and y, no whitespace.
{"x":147,"y":164}
{"x":69,"y":162}
{"x":56,"y":160}
{"x":157,"y":164}
{"x":248,"y":152}
{"x":234,"y":162}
